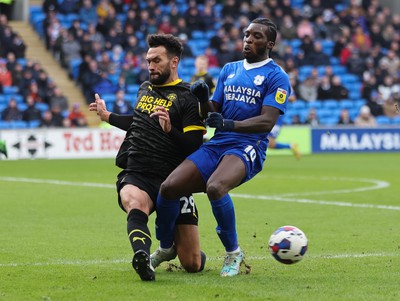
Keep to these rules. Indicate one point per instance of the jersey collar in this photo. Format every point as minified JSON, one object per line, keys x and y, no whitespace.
{"x":174,"y":83}
{"x":249,"y":66}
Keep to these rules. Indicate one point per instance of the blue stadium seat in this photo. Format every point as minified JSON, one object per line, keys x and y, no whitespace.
{"x":109,"y":97}
{"x":330,"y":104}
{"x":339,"y":69}
{"x":360,"y":102}
{"x":354,"y":94}
{"x":42,"y":106}
{"x":348,"y":78}
{"x":299,"y":104}
{"x":33,"y":124}
{"x":383,"y":120}
{"x":396,"y":120}
{"x":315,"y":104}
{"x":10,"y":90}
{"x":330,"y":120}
{"x":347,"y":104}
{"x":214,"y":71}
{"x":198,"y":35}
{"x":18,"y":124}
{"x":5,"y":125}
{"x":132,"y":89}
{"x":18,"y":97}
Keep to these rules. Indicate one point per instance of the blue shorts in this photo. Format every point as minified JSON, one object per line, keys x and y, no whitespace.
{"x":208,"y":156}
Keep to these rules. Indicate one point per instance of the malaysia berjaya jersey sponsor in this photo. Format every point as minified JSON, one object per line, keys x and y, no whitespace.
{"x":243,"y":89}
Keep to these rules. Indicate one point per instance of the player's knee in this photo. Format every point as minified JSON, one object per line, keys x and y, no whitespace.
{"x":215,"y":190}
{"x":191,"y":264}
{"x":167,"y":189}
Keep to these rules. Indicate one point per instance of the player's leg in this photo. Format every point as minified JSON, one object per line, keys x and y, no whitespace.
{"x":184,"y":180}
{"x":273,"y":144}
{"x":229,"y":174}
{"x":187,"y":244}
{"x":138,"y":204}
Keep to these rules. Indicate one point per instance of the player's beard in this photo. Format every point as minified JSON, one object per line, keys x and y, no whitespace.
{"x":161,"y":79}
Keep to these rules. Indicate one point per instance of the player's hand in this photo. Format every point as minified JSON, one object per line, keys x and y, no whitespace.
{"x":215,"y":120}
{"x":163,"y":118}
{"x":99,"y":106}
{"x":200,"y":89}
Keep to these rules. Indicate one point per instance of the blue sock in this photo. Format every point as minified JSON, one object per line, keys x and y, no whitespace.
{"x":282,"y":145}
{"x":167,"y":213}
{"x":224,"y":213}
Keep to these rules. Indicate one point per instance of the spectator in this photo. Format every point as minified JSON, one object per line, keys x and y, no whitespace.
{"x":5,"y":74}
{"x":121,"y":106}
{"x":212,"y":59}
{"x":338,"y":90}
{"x":325,"y":89}
{"x":201,"y":65}
{"x":87,"y":12}
{"x":312,"y":118}
{"x":58,"y":100}
{"x":17,"y":46}
{"x":355,"y":63}
{"x":76,"y":117}
{"x":89,"y":79}
{"x":308,"y":89}
{"x":344,"y":118}
{"x":187,"y":51}
{"x":365,"y":118}
{"x":288,"y":29}
{"x":11,"y":112}
{"x":360,"y":38}
{"x":70,"y":50}
{"x":48,"y":121}
{"x":305,"y":29}
{"x":31,"y":113}
{"x":317,"y":57}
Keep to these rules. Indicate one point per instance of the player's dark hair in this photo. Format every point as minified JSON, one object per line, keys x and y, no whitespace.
{"x":172,"y":44}
{"x":271,"y":27}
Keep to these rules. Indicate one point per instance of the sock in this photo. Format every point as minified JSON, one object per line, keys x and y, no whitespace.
{"x":224,"y":213}
{"x":283,"y":145}
{"x":138,"y":232}
{"x":167,"y":213}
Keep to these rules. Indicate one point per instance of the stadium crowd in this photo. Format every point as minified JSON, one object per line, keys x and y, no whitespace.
{"x":341,"y":55}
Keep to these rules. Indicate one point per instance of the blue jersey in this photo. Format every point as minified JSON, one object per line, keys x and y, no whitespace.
{"x":243,"y":89}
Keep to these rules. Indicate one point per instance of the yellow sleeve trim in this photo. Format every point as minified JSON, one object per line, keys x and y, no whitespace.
{"x":194,"y":128}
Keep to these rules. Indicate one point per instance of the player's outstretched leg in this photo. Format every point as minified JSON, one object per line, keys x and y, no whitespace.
{"x":232,"y":263}
{"x":295,"y":150}
{"x":142,"y":265}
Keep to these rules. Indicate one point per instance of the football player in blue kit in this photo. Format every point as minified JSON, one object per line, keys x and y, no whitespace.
{"x":249,"y":97}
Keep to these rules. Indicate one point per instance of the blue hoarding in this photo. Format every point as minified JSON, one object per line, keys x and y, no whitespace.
{"x":355,"y":140}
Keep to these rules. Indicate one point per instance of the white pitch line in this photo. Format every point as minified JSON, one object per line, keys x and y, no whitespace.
{"x":126,"y":261}
{"x":280,"y":198}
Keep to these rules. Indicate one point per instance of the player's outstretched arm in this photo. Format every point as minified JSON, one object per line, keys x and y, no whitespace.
{"x":122,"y":122}
{"x":99,"y":106}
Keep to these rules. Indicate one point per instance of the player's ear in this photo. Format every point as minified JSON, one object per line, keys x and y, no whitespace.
{"x":175,"y":62}
{"x":270,"y":44}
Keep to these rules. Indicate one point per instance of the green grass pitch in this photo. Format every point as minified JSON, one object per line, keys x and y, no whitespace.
{"x":63,"y":236}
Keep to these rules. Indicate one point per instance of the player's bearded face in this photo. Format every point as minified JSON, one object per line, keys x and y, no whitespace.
{"x":160,"y":76}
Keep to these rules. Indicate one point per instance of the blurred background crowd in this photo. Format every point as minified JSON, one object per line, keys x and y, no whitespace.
{"x":342,"y":56}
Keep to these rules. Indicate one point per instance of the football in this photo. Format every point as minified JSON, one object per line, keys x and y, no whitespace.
{"x":288,"y":244}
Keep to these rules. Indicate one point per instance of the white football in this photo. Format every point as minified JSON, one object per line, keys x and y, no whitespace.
{"x":288,"y":244}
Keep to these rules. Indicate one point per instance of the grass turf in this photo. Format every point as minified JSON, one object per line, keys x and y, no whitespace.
{"x":63,"y":236}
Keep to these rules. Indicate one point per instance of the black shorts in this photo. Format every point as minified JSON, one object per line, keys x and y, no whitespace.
{"x":151,"y":185}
